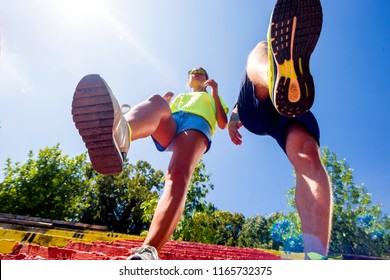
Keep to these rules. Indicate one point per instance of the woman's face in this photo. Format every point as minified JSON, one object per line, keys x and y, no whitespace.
{"x":196,"y":78}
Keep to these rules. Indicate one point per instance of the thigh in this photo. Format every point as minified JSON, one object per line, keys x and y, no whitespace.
{"x":165,"y":131}
{"x":303,"y":127}
{"x":189,"y":147}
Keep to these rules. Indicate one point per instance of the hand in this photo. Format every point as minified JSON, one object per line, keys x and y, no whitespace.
{"x":168,"y":96}
{"x":213,"y":84}
{"x":233,"y":128}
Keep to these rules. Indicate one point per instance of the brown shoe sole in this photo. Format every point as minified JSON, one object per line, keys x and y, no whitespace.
{"x":93,"y":114}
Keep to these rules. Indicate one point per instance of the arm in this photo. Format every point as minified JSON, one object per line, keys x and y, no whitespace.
{"x":233,"y":127}
{"x":220,"y":114}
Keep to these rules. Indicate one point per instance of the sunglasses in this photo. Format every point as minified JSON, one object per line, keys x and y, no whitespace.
{"x":197,"y":72}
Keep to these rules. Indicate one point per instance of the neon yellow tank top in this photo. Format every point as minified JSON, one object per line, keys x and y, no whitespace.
{"x":199,"y":103}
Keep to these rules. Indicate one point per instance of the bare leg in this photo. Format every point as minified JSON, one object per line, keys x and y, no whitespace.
{"x":257,"y":70}
{"x":313,"y":195}
{"x":152,"y":117}
{"x":189,"y":147}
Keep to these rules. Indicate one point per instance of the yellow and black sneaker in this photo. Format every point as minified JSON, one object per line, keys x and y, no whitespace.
{"x":293,"y":33}
{"x":316,"y":256}
{"x":101,"y":124}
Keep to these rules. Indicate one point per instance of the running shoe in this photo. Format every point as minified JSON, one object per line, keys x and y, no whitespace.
{"x":316,"y":256}
{"x":144,"y":253}
{"x":100,"y":122}
{"x":293,"y":33}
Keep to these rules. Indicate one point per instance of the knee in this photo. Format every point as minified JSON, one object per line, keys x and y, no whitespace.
{"x":304,"y":152}
{"x":259,"y":53}
{"x":260,"y":47}
{"x":159,"y":103}
{"x":156,"y":99}
{"x":178,"y":175}
{"x":257,"y":68}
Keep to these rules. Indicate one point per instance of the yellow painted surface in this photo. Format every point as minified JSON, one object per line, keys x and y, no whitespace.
{"x":54,"y":237}
{"x":6,"y":246}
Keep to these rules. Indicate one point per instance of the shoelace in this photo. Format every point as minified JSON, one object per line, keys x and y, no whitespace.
{"x":140,"y":250}
{"x":125,"y":108}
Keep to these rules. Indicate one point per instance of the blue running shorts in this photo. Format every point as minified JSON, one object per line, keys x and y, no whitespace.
{"x":187,"y":121}
{"x":261,"y":117}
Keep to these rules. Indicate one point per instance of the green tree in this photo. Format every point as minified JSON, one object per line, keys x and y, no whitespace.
{"x":257,"y":232}
{"x":216,"y":227}
{"x":48,"y":185}
{"x":229,"y":226}
{"x":200,"y":228}
{"x":54,"y":186}
{"x":117,"y":201}
{"x":358,"y":226}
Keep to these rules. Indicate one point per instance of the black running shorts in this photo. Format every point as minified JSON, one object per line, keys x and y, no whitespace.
{"x":261,"y":117}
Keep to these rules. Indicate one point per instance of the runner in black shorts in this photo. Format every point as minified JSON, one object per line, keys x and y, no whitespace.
{"x":276,"y":94}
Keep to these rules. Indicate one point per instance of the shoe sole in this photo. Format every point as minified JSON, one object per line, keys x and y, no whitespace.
{"x":93,"y":115}
{"x":295,"y":28}
{"x":135,"y":258}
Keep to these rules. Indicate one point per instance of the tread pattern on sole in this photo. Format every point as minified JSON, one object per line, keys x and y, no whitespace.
{"x":295,"y":29}
{"x":93,"y":115}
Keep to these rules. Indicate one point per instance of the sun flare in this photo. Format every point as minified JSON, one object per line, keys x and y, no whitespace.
{"x":80,"y":11}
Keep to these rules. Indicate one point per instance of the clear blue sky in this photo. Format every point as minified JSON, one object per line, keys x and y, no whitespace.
{"x":143,"y":47}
